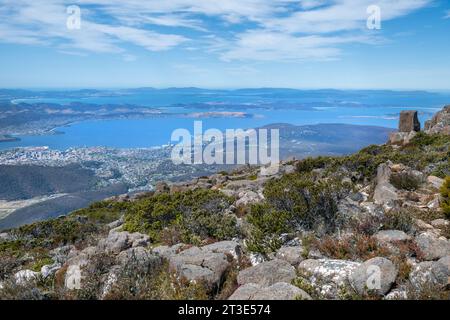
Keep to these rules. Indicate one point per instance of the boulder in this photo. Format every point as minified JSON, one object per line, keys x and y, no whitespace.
{"x":435,"y":182}
{"x":440,"y":123}
{"x":232,"y":248}
{"x":5,"y":236}
{"x":431,"y":246}
{"x":397,"y":294}
{"x":194,"y":273}
{"x":429,"y":274}
{"x":445,"y":261}
{"x":161,"y":187}
{"x":167,"y":252}
{"x":196,"y":264}
{"x":328,"y":276}
{"x":401,"y":138}
{"x":384,"y":192}
{"x":277,"y":291}
{"x":138,"y":258}
{"x":440,"y":223}
{"x":25,"y":276}
{"x":409,"y":121}
{"x":247,"y":198}
{"x":110,"y":280}
{"x":374,"y":276}
{"x":389,"y":236}
{"x":117,"y":242}
{"x":116,"y":224}
{"x":61,"y":254}
{"x":178,"y":187}
{"x":245,"y":292}
{"x":292,"y":255}
{"x":50,"y":270}
{"x":267,"y":273}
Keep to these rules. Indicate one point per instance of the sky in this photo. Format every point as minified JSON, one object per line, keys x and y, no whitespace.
{"x":303,"y":44}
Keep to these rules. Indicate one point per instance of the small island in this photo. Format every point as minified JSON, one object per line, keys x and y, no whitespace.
{"x":8,"y":138}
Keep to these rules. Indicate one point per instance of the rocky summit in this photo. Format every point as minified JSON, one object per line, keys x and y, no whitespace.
{"x":371,"y":225}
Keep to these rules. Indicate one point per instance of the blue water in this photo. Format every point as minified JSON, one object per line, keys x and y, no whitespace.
{"x":361,"y":109}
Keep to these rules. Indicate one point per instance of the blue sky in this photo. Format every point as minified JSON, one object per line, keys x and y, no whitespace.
{"x":225,"y":44}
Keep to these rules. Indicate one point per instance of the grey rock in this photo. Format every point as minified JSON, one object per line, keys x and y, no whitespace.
{"x":288,"y":169}
{"x":189,"y":264}
{"x":5,"y":236}
{"x":110,"y":279}
{"x":445,"y":261}
{"x":397,"y":294}
{"x":293,"y":255}
{"x":384,"y":192}
{"x":376,"y":275}
{"x":247,"y":198}
{"x":431,"y":246}
{"x":440,"y":123}
{"x":138,"y":258}
{"x":401,"y":138}
{"x":167,"y":252}
{"x":196,"y":273}
{"x":435,"y":182}
{"x":116,"y":224}
{"x":281,"y":291}
{"x":61,"y":254}
{"x":389,"y":236}
{"x":161,"y":187}
{"x":267,"y":273}
{"x":245,"y":292}
{"x":117,"y":242}
{"x":440,"y":223}
{"x":231,"y":248}
{"x":25,"y":276}
{"x":429,"y":273}
{"x":50,"y":270}
{"x":256,"y":258}
{"x":277,"y":291}
{"x":328,"y":276}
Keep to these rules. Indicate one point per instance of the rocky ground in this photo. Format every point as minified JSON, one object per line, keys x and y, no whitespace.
{"x":373,"y":225}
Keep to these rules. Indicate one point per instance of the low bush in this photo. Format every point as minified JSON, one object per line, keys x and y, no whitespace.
{"x":399,"y":219}
{"x":445,"y":194}
{"x":405,"y":181}
{"x":353,"y":247}
{"x":192,"y":216}
{"x":295,"y":202}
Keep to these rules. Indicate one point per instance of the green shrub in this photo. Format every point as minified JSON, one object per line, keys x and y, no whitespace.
{"x":196,"y":215}
{"x":400,"y":219}
{"x":309,"y":164}
{"x":405,"y":181}
{"x":267,"y":226}
{"x":295,"y":202}
{"x":445,"y":193}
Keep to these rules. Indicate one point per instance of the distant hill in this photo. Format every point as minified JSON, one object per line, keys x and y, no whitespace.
{"x":24,"y":182}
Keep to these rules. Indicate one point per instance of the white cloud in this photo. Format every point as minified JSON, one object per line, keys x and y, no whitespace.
{"x":267,"y":46}
{"x":447,"y":16}
{"x":233,"y":29}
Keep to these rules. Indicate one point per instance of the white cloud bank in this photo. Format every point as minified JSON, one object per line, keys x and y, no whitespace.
{"x":255,"y":29}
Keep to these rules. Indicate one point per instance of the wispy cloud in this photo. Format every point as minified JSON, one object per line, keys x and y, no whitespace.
{"x":232,"y":29}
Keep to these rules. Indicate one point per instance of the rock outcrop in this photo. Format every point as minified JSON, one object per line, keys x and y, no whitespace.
{"x":440,"y":123}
